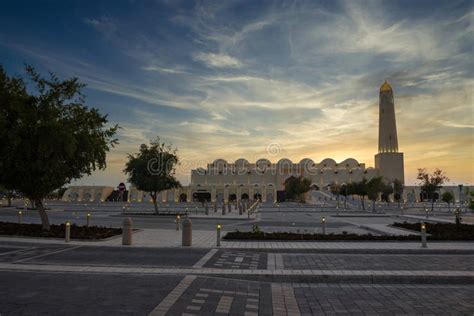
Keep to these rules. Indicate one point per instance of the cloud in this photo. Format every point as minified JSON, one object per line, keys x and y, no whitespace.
{"x":218,"y":60}
{"x":165,"y":70}
{"x":105,"y":25}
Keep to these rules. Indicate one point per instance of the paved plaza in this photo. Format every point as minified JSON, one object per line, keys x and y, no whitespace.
{"x":158,"y":276}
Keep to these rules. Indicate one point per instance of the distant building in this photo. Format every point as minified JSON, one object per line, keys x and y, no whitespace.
{"x":223,"y":181}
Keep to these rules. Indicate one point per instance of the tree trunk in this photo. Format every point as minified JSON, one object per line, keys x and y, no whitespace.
{"x":449,"y":208}
{"x":42,"y":213}
{"x":9,"y":200}
{"x":362,"y":201}
{"x":373,"y":206}
{"x":432,"y":204}
{"x":345,"y":199}
{"x":153,"y":197}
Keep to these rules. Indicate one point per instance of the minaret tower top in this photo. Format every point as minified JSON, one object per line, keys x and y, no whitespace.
{"x":388,"y":141}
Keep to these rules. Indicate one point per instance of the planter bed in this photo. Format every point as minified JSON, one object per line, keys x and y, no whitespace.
{"x":442,"y":231}
{"x":58,"y":231}
{"x":298,"y":237}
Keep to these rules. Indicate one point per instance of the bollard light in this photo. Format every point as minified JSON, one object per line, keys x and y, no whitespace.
{"x":323,"y":222}
{"x":423,"y":235}
{"x":178,"y":217}
{"x":19,"y":217}
{"x":218,"y":236}
{"x":67,"y":235}
{"x":426,"y":211}
{"x":88,"y":217}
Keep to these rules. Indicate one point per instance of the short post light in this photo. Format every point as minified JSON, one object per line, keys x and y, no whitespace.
{"x":423,"y":235}
{"x":218,"y":236}
{"x":426,"y":212}
{"x":67,"y":235}
{"x":19,"y":216}
{"x":88,"y":219}
{"x":323,"y":222}
{"x":178,"y":217}
{"x":401,"y":210}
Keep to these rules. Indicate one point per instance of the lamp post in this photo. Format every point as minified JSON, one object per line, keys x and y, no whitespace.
{"x":423,"y":235}
{"x":88,"y":218}
{"x":67,"y":235}
{"x":323,"y":222}
{"x":426,"y":212}
{"x":218,"y":235}
{"x":19,"y":217}
{"x":177,"y":221}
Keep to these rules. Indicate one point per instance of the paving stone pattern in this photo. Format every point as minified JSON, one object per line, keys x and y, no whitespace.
{"x":224,"y":259}
{"x":27,"y":253}
{"x":356,"y":299}
{"x":378,"y":262}
{"x":213,"y":296}
{"x":112,"y":256}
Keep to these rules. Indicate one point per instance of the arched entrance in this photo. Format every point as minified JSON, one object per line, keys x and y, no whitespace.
{"x":257,"y":196}
{"x":202,"y":197}
{"x":270,"y":197}
{"x":232,"y":197}
{"x":183,"y":197}
{"x":245,"y":196}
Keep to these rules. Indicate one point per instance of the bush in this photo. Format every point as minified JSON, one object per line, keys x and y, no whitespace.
{"x":58,"y":231}
{"x":442,"y":231}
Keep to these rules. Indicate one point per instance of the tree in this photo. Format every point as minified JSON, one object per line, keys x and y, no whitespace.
{"x":374,"y":187}
{"x":386,"y":189}
{"x":360,"y":189}
{"x":8,"y":193}
{"x":345,"y":190}
{"x":397,"y":190}
{"x":430,"y":183}
{"x":296,"y":187}
{"x":152,"y":169}
{"x":448,"y":197}
{"x":336,"y":190}
{"x":49,"y":136}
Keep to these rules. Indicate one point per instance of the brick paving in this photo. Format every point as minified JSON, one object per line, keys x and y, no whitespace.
{"x":225,"y":259}
{"x":387,"y":299}
{"x":377,"y":262}
{"x":213,"y":296}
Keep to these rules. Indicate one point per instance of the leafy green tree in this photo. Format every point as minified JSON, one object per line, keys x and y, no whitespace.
{"x":397,"y":191}
{"x":448,"y":197}
{"x":374,"y":187}
{"x":386,"y":189}
{"x":345,"y":191}
{"x":360,"y":188}
{"x":49,"y":136}
{"x":430,"y":183}
{"x":296,"y":187}
{"x":152,"y":169}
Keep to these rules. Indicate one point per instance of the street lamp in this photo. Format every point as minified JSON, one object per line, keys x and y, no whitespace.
{"x":323,"y":222}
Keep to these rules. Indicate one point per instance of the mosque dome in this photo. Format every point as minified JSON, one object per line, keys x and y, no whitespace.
{"x":385,"y":87}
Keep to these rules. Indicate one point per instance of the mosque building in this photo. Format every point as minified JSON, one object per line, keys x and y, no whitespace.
{"x":227,"y":181}
{"x":238,"y":180}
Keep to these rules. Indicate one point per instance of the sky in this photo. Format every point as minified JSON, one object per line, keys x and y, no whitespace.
{"x":261,"y":79}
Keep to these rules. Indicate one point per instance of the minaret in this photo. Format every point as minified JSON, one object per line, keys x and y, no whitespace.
{"x":388,"y":142}
{"x":388,"y":162}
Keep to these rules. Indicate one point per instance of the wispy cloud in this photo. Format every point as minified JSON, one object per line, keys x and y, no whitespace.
{"x":225,"y":79}
{"x":218,"y":60}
